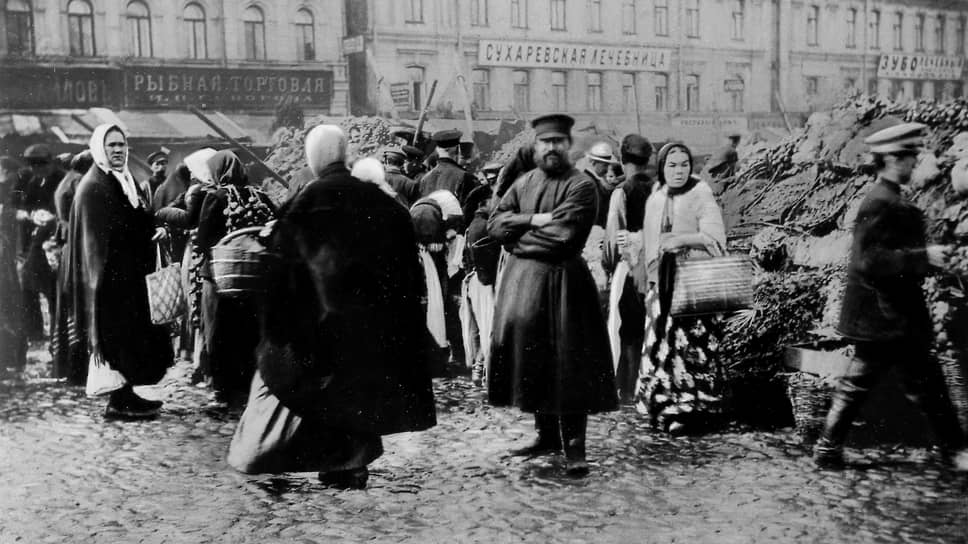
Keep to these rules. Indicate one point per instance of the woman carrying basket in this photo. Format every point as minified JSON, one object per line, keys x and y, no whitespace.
{"x":680,"y":381}
{"x":229,"y":326}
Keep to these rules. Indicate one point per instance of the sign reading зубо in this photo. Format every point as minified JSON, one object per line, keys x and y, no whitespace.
{"x":899,"y":66}
{"x":226,"y":88}
{"x":522,"y":54}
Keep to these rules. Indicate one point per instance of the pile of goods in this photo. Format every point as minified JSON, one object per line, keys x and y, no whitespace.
{"x":793,"y":205}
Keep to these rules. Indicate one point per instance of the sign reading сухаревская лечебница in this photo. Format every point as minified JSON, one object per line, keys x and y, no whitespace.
{"x":39,"y":87}
{"x":525,"y":54}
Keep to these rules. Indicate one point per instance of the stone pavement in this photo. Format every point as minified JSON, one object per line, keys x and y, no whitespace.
{"x":68,"y":476}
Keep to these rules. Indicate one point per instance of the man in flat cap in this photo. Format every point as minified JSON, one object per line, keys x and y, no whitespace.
{"x":413,"y":167}
{"x":490,"y":172}
{"x":884,"y":312}
{"x":620,"y":252}
{"x":158,"y":161}
{"x":549,"y":348}
{"x":38,"y":216}
{"x":393,"y":161}
{"x":600,"y":160}
{"x":448,"y":175}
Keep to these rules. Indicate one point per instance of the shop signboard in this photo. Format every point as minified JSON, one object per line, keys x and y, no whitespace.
{"x":43,"y":87}
{"x":936,"y":67}
{"x":225,"y":88}
{"x":565,"y":55}
{"x":711,"y":122}
{"x":733,"y":85}
{"x":400,"y":93}
{"x":353,"y":45}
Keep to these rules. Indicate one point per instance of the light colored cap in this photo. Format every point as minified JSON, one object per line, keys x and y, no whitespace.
{"x":601,"y":152}
{"x":902,"y":137}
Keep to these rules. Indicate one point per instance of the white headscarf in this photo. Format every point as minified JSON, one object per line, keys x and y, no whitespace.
{"x":371,"y":170}
{"x":100,"y":155}
{"x":449,"y":205}
{"x":325,"y":144}
{"x":197,"y":164}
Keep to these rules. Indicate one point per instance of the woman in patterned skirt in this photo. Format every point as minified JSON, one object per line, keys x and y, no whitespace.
{"x":680,"y":383}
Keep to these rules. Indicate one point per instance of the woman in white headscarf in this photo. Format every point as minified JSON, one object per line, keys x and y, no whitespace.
{"x":111,"y":235}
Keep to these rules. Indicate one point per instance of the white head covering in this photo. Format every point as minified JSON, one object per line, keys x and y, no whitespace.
{"x":325,"y":144}
{"x":197,"y":164}
{"x":371,"y":170}
{"x":100,"y":156}
{"x":449,"y":205}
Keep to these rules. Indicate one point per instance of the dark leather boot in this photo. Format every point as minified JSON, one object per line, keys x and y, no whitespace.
{"x":573,"y":428}
{"x":548,"y":440}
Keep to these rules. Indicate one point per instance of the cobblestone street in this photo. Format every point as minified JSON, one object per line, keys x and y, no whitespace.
{"x":68,"y":476}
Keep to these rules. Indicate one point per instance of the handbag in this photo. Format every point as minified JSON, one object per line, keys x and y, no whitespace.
{"x":166,"y":294}
{"x":711,"y":285}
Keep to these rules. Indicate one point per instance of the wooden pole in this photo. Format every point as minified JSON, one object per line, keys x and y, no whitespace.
{"x":468,"y":120}
{"x":245,"y":150}
{"x":779,"y":102}
{"x":423,"y":112}
{"x":635,"y":98}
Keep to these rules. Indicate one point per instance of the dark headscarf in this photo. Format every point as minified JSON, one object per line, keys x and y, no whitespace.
{"x":227,"y":169}
{"x":660,"y":168}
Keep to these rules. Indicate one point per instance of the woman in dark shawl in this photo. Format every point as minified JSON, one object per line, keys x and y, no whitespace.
{"x":13,"y":342}
{"x":111,"y":235}
{"x":229,"y":326}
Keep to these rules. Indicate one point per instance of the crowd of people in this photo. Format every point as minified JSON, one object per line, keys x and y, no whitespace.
{"x":383,"y":272}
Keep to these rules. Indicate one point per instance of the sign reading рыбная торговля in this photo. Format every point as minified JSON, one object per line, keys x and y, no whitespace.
{"x":226,"y":88}
{"x":524,"y":54}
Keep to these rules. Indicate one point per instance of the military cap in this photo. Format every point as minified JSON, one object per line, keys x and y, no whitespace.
{"x":635,"y":147}
{"x":734,"y":135}
{"x":413,"y":153}
{"x":38,"y":152}
{"x":899,"y":138}
{"x":555,"y":124}
{"x":160,"y":154}
{"x":494,"y":167}
{"x":394,"y":150}
{"x":447,"y":138}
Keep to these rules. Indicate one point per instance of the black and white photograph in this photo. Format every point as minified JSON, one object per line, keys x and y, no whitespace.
{"x":483,"y":271}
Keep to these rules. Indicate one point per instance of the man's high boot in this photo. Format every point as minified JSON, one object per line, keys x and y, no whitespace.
{"x":548,"y":440}
{"x":573,"y":429}
{"x":628,"y":371}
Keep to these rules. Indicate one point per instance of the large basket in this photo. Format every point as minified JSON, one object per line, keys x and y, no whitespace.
{"x":810,"y":397}
{"x":718,"y":284}
{"x":240,"y":264}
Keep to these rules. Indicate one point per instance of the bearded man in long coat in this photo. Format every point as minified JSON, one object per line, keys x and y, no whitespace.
{"x":550,"y":351}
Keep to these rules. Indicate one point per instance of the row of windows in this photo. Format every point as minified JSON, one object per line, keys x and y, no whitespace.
{"x":137,"y":17}
{"x":943,"y":90}
{"x":557,"y":15}
{"x":897,"y":30}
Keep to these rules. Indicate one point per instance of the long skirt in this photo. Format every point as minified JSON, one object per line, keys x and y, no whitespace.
{"x":272,"y":439}
{"x":681,"y":380}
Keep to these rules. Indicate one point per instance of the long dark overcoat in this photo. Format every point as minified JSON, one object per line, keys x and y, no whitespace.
{"x":344,"y":336}
{"x":883,"y":299}
{"x":448,"y":176}
{"x":550,"y":350}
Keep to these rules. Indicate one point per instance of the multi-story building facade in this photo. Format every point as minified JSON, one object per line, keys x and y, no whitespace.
{"x":149,"y":60}
{"x":691,"y":69}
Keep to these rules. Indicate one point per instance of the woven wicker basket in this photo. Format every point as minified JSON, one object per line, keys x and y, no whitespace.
{"x":810,"y":397}
{"x":240,"y":271}
{"x":954,"y":377}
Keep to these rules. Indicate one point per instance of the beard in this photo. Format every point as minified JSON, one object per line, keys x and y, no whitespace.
{"x":554,"y":163}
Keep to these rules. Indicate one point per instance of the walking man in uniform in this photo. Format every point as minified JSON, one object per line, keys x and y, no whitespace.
{"x":448,"y":175}
{"x":393,"y":160}
{"x":884,"y":312}
{"x":549,"y":351}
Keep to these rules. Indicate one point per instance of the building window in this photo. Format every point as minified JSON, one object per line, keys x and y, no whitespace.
{"x":692,"y":92}
{"x":80,"y":27}
{"x":594,"y":15}
{"x":813,"y":23}
{"x":661,"y":92}
{"x":896,"y":90}
{"x":479,"y":12}
{"x":897,"y":31}
{"x":872,"y":85}
{"x":918,"y":89}
{"x":735,"y":89}
{"x":812,"y":85}
{"x":255,"y":33}
{"x":20,"y":27}
{"x":738,"y":19}
{"x":594,"y":91}
{"x":960,"y":35}
{"x":139,"y":29}
{"x":939,"y":46}
{"x":559,"y":91}
{"x":522,"y":90}
{"x":195,"y":31}
{"x":482,"y":89}
{"x":850,"y":83}
{"x":851,"y":28}
{"x":415,"y":11}
{"x":692,"y":18}
{"x":628,"y":17}
{"x":557,"y":14}
{"x":875,"y":30}
{"x":305,"y":35}
{"x":416,"y":75}
{"x":661,"y":17}
{"x":519,"y":13}
{"x":628,"y":92}
{"x":919,"y":32}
